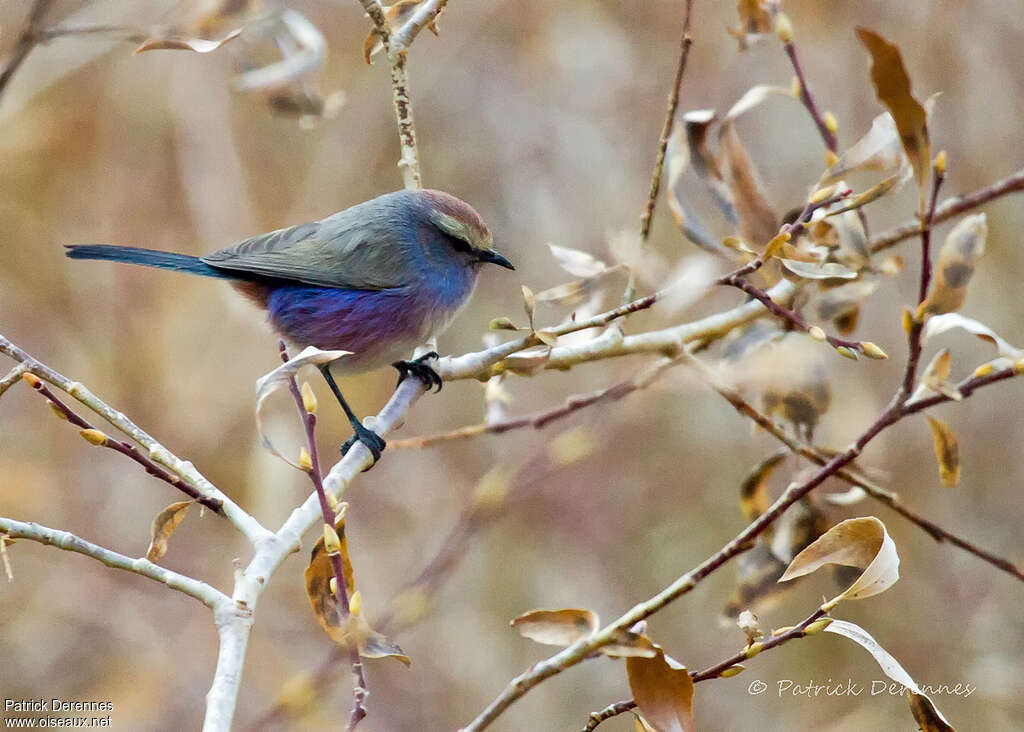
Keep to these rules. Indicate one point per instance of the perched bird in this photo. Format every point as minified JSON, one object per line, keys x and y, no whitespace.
{"x":377,"y":279}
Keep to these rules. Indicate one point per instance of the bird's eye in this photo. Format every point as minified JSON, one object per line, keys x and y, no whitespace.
{"x":460,"y":245}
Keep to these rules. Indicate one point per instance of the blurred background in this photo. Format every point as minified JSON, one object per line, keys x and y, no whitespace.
{"x":545,"y":117}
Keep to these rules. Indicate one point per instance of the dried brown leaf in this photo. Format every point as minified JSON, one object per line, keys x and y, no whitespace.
{"x":183,"y":43}
{"x":938,"y":324}
{"x":698,"y":125}
{"x":892,"y":85}
{"x":758,"y":222}
{"x":556,"y":627}
{"x":754,"y":499}
{"x":814,"y":271}
{"x":947,"y":452}
{"x":279,"y":378}
{"x":630,"y":645}
{"x":860,"y":542}
{"x":163,"y":526}
{"x":954,"y":267}
{"x":663,"y":692}
{"x":924,"y":710}
{"x":576,"y":262}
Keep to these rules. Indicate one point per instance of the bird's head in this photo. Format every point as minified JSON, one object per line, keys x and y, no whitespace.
{"x":463,"y":228}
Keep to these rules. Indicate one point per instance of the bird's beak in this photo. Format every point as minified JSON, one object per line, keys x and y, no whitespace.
{"x":489,"y":255}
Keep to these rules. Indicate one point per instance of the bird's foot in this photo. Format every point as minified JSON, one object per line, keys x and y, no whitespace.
{"x":374,"y":442}
{"x":419,"y":368}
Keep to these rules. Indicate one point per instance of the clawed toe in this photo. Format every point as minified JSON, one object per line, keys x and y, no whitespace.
{"x":421,"y":370}
{"x":374,"y":443}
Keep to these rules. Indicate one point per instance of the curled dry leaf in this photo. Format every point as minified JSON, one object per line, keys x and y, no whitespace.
{"x":556,"y":627}
{"x":955,"y":266}
{"x":663,"y":691}
{"x":860,"y":542}
{"x":814,"y":271}
{"x":279,"y":378}
{"x":304,"y":51}
{"x":677,"y":154}
{"x":163,"y":526}
{"x":353,"y":629}
{"x":698,"y":124}
{"x":947,"y":452}
{"x":529,"y":304}
{"x":753,"y":97}
{"x":565,"y":627}
{"x":182,"y":43}
{"x":757,"y":221}
{"x":892,"y":86}
{"x":939,"y":324}
{"x":754,"y":499}
{"x":755,"y":22}
{"x":935,"y":375}
{"x":502,"y":324}
{"x":923,"y":709}
{"x":879,"y":149}
{"x":576,"y":262}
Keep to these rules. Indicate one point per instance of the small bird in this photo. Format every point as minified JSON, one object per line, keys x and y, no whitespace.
{"x":377,"y":279}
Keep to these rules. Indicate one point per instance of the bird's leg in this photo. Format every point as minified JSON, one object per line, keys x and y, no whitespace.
{"x":419,"y":368}
{"x":374,"y":442}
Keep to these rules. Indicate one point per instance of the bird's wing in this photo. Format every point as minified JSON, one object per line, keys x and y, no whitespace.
{"x":320,"y":253}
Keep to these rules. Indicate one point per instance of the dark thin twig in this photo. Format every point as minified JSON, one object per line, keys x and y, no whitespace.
{"x":666,"y":132}
{"x":125,"y":448}
{"x":714,"y":672}
{"x":541,"y":419}
{"x":666,"y":129}
{"x":889,"y":499}
{"x":808,"y":100}
{"x":950,"y":208}
{"x":612,"y":710}
{"x":915,"y":346}
{"x":308,"y":416}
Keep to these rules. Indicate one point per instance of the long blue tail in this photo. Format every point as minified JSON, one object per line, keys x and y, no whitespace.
{"x":149,"y":258}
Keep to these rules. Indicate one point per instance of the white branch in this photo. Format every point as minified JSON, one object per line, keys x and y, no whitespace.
{"x":249,"y":526}
{"x":67,"y":541}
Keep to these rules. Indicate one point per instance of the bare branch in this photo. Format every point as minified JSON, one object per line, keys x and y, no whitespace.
{"x":950,"y":208}
{"x":67,"y":541}
{"x":249,"y":526}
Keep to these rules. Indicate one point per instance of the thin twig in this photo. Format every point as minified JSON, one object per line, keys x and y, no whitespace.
{"x":666,"y":128}
{"x":580,"y":650}
{"x":396,"y":47}
{"x":666,"y":132}
{"x":855,"y":478}
{"x":308,"y":416}
{"x":808,"y":100}
{"x":612,"y":710}
{"x":798,"y":631}
{"x":914,"y":342}
{"x":67,"y":541}
{"x":541,"y":419}
{"x":126,"y":449}
{"x":950,"y":208}
{"x":244,"y":522}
